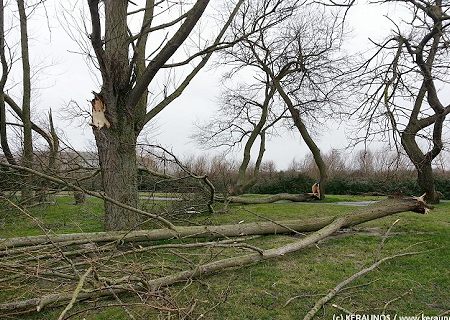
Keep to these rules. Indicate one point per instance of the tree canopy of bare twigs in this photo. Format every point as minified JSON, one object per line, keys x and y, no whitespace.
{"x":297,"y":68}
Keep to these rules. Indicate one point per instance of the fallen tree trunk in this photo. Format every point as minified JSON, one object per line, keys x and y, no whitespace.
{"x":383,"y":208}
{"x":302,"y":197}
{"x":324,"y":228}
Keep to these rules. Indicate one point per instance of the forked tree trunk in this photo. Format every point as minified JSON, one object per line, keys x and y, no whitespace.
{"x":243,"y":184}
{"x":116,"y":139}
{"x":127,"y":71}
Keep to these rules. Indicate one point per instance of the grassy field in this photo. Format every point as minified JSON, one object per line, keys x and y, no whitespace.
{"x":284,"y":288}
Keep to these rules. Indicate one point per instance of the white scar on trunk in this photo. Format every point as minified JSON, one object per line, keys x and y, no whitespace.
{"x":98,"y":114}
{"x":316,"y":190}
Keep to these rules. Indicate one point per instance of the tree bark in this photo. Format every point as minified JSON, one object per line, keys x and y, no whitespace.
{"x":426,"y":56}
{"x":27,"y":156}
{"x":295,"y":114}
{"x":422,"y":162}
{"x":242,"y":184}
{"x":303,"y":197}
{"x":117,"y":156}
{"x":5,"y":69}
{"x":116,"y":145}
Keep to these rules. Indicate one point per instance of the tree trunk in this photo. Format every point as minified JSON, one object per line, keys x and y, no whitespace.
{"x":116,"y":140}
{"x":242,"y":184}
{"x":126,"y":72}
{"x":425,"y":180}
{"x":134,"y":279}
{"x":422,"y":163}
{"x":321,"y":165}
{"x":298,"y":122}
{"x":117,"y":156}
{"x":377,"y":210}
{"x":5,"y":69}
{"x":27,"y":156}
{"x":303,"y":197}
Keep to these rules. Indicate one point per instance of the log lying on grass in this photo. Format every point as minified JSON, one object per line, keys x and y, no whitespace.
{"x":378,"y":210}
{"x":323,"y":228}
{"x":302,"y":197}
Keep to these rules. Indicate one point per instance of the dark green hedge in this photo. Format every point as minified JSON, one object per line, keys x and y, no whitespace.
{"x":300,"y":183}
{"x":284,"y":183}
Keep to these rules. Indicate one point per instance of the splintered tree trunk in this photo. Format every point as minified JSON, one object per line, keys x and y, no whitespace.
{"x":114,"y":124}
{"x":126,"y":72}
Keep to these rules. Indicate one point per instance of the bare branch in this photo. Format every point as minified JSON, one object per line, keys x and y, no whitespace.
{"x":321,"y":302}
{"x":167,"y":51}
{"x":94,"y":194}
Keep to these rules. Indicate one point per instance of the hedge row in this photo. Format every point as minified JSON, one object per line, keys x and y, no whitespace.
{"x":281,"y":182}
{"x":300,"y":183}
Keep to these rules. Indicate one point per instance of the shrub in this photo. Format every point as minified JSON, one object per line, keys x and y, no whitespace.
{"x":284,"y":183}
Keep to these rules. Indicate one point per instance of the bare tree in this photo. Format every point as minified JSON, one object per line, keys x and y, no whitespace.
{"x":246,"y":114}
{"x":127,"y":70}
{"x":405,"y":82}
{"x":300,"y":58}
{"x":22,"y":110}
{"x":5,"y":70}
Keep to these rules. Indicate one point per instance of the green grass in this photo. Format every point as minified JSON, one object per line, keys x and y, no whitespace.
{"x":405,"y":286}
{"x":61,"y":215}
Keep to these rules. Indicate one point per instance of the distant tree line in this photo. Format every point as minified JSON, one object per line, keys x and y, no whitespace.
{"x":360,"y":172}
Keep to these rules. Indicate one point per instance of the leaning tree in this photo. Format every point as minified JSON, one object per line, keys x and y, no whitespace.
{"x":407,"y":80}
{"x":249,"y":109}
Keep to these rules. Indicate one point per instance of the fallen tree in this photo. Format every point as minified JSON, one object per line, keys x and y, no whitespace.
{"x":86,"y":271}
{"x":302,"y":197}
{"x":378,"y":210}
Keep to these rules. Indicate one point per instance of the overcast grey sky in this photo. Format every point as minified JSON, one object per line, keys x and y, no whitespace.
{"x":69,"y":78}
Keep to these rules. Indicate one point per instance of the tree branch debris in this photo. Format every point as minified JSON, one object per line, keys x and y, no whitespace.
{"x":112,"y":263}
